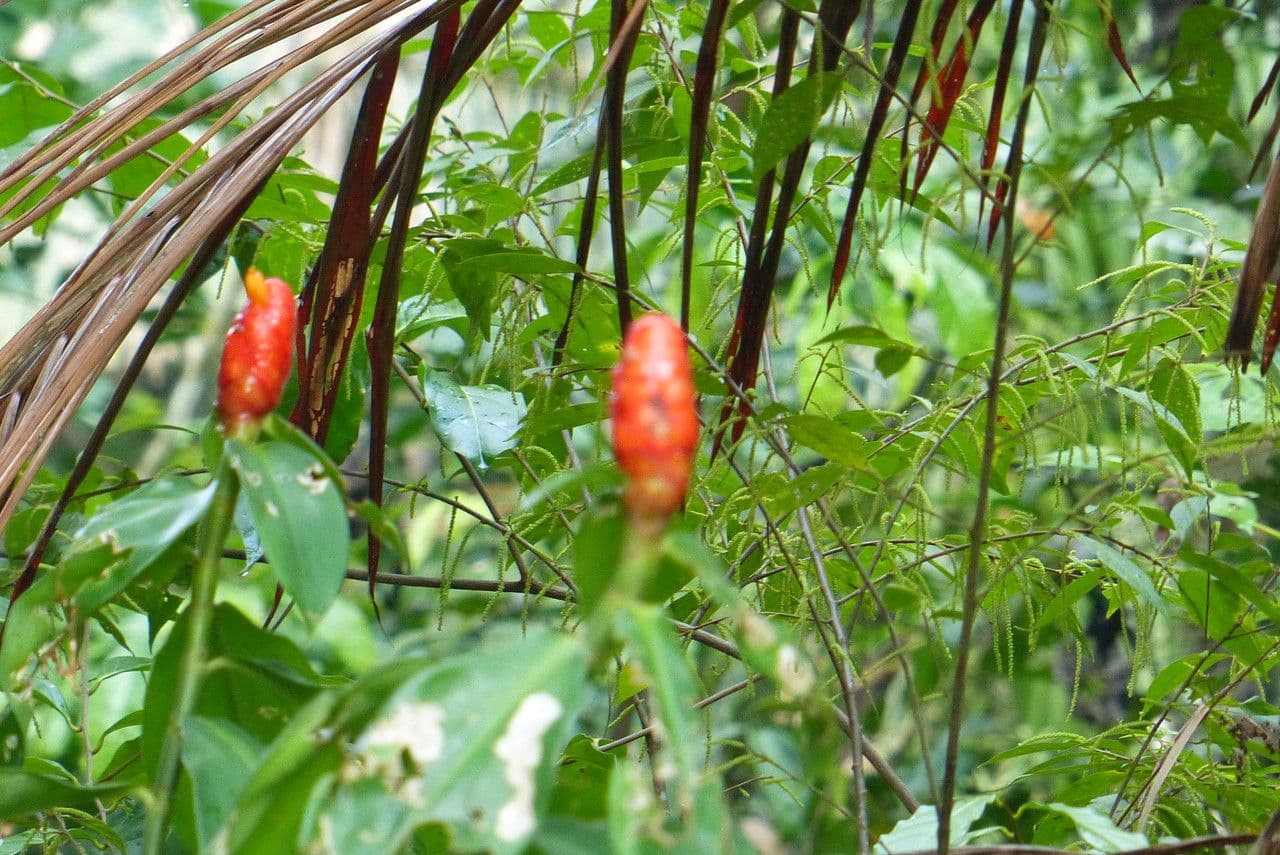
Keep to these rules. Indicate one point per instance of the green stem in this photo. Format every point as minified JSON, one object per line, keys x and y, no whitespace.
{"x":641,"y":549}
{"x":198,"y":617}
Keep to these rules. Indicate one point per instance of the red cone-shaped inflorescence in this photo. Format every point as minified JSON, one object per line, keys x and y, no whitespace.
{"x":258,"y":353}
{"x":655,"y":418}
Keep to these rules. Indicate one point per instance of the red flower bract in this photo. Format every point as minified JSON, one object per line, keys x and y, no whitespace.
{"x":258,"y":354}
{"x":655,"y":417}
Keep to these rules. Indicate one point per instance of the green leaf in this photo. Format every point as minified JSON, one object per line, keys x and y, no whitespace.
{"x":673,"y":690}
{"x":1098,"y":830}
{"x":25,"y":108}
{"x":580,"y":167}
{"x":919,"y":832}
{"x":257,"y":680}
{"x":469,"y":741}
{"x":519,"y":262}
{"x":384,"y":527}
{"x":496,"y":201}
{"x":477,"y":422}
{"x":581,"y":781}
{"x":1066,"y":599}
{"x":299,"y":515}
{"x":1235,"y":580}
{"x":597,"y":551}
{"x":829,"y":438}
{"x":782,"y":494}
{"x":220,"y":758}
{"x":791,"y":118}
{"x":23,"y":793}
{"x":423,"y":312}
{"x":1173,"y":386}
{"x":474,"y":286}
{"x":145,"y":523}
{"x":864,"y":335}
{"x":1128,"y":572}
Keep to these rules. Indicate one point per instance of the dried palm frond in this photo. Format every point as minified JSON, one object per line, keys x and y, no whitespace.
{"x":48,"y":367}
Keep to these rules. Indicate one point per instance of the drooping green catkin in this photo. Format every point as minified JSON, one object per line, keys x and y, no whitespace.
{"x":1026,"y":587}
{"x":1036,"y":573}
{"x":1142,"y":647}
{"x":504,"y":562}
{"x":1092,"y":421}
{"x":447,"y":568}
{"x":1076,"y":671}
{"x":997,"y":615}
{"x":920,"y":526}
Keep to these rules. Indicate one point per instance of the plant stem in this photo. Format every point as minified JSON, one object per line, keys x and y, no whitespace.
{"x":641,"y":547}
{"x":198,"y":617}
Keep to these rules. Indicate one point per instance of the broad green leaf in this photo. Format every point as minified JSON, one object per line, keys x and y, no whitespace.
{"x":23,"y":793}
{"x":478,"y":422}
{"x":496,"y":201}
{"x":829,"y":438}
{"x":791,"y":118}
{"x":299,"y":515}
{"x":445,"y":747}
{"x":1098,"y":830}
{"x":145,"y":523}
{"x":597,"y":551}
{"x":1048,"y":742}
{"x":1235,"y":580}
{"x":515,"y":262}
{"x":580,"y":166}
{"x":862,"y":334}
{"x":1065,"y":600}
{"x":782,"y":494}
{"x":475,"y":286}
{"x":257,"y":680}
{"x":422,"y":312}
{"x":220,"y":758}
{"x":26,"y":108}
{"x":1175,"y":674}
{"x":919,"y":832}
{"x":581,"y":781}
{"x":1172,"y":386}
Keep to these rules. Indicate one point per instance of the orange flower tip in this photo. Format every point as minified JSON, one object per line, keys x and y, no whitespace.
{"x":255,"y":285}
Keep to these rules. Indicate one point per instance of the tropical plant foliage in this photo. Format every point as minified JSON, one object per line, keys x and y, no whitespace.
{"x":980,"y":547}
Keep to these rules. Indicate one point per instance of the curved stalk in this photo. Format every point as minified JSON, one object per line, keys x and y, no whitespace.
{"x":199,"y":616}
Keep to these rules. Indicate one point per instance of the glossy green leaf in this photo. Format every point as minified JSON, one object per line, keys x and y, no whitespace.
{"x":144,"y":523}
{"x":478,"y":422}
{"x":299,"y":516}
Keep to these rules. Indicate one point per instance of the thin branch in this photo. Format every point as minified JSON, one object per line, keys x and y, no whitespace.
{"x":978,"y":533}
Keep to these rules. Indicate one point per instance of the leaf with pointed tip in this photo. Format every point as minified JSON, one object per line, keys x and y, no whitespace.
{"x":790,"y":119}
{"x":888,"y":86}
{"x":477,"y":422}
{"x":1116,"y":43}
{"x":299,"y":516}
{"x":146,"y":522}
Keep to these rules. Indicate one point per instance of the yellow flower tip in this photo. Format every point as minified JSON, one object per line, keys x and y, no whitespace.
{"x":255,"y":285}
